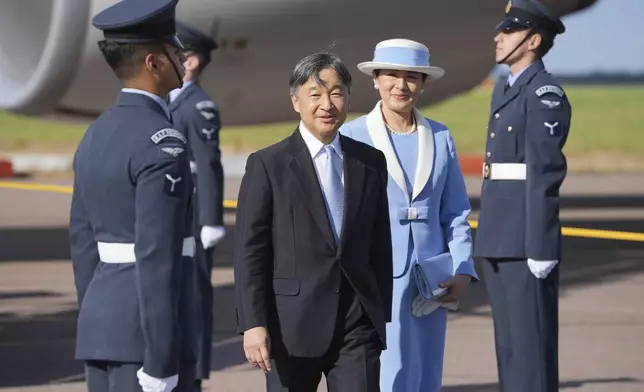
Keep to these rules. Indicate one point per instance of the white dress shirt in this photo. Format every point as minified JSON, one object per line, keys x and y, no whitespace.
{"x":317,"y":153}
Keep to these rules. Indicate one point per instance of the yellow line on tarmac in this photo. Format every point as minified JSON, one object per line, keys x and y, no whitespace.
{"x":230,"y":204}
{"x":566,"y":231}
{"x":36,"y":187}
{"x":602,"y":234}
{"x":67,"y":190}
{"x":592,"y":233}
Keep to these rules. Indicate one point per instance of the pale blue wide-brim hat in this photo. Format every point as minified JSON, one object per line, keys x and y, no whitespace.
{"x":402,"y":54}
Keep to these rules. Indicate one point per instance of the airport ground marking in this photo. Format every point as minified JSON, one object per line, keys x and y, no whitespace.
{"x":67,"y":190}
{"x":36,"y":187}
{"x":232,"y":204}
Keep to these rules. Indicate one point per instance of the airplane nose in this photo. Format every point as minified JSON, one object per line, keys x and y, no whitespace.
{"x":44,"y":48}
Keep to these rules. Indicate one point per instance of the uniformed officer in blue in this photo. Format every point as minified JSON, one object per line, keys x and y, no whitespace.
{"x":197,"y":116}
{"x":519,"y":232}
{"x":131,"y":218}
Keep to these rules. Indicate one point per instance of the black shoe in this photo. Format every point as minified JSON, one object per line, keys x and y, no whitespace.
{"x":197,"y":386}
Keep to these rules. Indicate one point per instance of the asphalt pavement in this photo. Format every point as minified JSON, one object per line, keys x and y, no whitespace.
{"x":601,"y":311}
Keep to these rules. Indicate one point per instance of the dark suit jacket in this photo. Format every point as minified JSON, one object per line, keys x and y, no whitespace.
{"x":287,"y":266}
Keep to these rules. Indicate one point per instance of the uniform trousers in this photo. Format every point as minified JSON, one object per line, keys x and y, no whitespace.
{"x":204,"y":264}
{"x":525,"y":314}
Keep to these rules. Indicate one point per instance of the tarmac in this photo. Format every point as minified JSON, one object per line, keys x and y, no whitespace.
{"x":601,"y":302}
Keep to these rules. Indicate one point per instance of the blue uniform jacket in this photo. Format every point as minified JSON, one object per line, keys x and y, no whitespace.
{"x":195,"y":114}
{"x":528,"y":124}
{"x":132,"y":188}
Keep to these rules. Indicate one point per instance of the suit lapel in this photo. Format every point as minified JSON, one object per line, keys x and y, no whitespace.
{"x":354,"y":176}
{"x":503,"y":99}
{"x":378,"y":134}
{"x":425,"y":164}
{"x":516,"y":87}
{"x":497,"y":96}
{"x":425,"y":158}
{"x":304,"y":172}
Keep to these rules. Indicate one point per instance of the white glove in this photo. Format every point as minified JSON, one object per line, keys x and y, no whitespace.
{"x":211,"y":235}
{"x":541,"y":268}
{"x":421,"y":307}
{"x":152,"y":384}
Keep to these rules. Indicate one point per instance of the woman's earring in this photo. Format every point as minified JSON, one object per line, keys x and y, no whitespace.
{"x":375,"y":86}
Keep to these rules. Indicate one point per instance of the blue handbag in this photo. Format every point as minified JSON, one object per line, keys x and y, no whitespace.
{"x":429,"y":273}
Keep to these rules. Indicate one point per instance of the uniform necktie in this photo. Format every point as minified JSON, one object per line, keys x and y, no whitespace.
{"x":333,"y":192}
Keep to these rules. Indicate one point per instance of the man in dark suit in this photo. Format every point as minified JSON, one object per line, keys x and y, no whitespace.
{"x":519,"y":233}
{"x":313,"y":268}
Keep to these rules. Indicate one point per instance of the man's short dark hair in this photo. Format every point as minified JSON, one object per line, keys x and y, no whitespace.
{"x":126,"y":59}
{"x":311,"y":66}
{"x":547,"y":42}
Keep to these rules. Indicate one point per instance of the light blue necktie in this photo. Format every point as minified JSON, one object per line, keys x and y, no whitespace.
{"x":333,"y":192}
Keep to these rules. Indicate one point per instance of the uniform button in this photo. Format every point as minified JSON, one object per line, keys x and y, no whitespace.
{"x":492,"y":135}
{"x":337,"y":291}
{"x":497,"y":115}
{"x":489,"y":154}
{"x":509,"y":129}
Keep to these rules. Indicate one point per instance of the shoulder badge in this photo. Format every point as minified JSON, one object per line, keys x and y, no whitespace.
{"x":549,"y":89}
{"x":207,"y":109}
{"x":205,"y":105}
{"x":170,"y":187}
{"x":207,"y":115}
{"x":552,"y":128}
{"x":208,"y":132}
{"x":167,"y":132}
{"x":550,"y":104}
{"x":173,"y":151}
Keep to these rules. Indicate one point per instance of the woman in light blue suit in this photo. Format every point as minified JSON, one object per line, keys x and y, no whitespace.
{"x":428,"y":208}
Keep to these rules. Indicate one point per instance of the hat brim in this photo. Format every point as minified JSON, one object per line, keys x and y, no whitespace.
{"x":175,"y":41}
{"x":432,"y":73}
{"x":510,"y":25}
